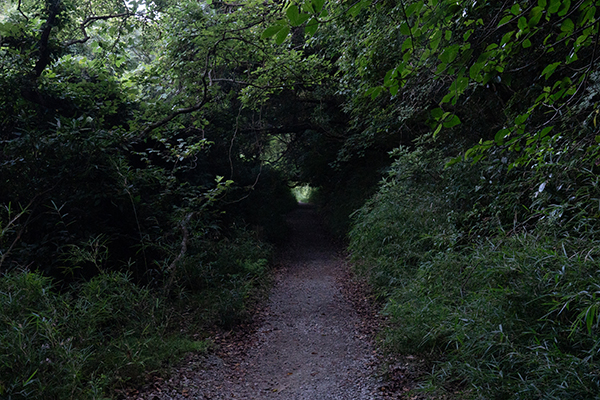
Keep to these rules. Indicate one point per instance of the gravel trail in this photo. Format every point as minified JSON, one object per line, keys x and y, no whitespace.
{"x":309,"y":343}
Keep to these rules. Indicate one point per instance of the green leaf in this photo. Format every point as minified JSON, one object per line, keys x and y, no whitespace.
{"x":526,"y":43}
{"x":542,"y":3}
{"x":435,"y":40}
{"x":507,"y":36}
{"x":522,"y":23}
{"x":282,"y":35}
{"x":589,"y":15}
{"x":452,"y":122}
{"x":505,"y":20}
{"x":545,"y":131}
{"x":449,"y":54}
{"x":394,"y":89}
{"x":462,"y":83}
{"x":521,"y":119}
{"x":303,"y":19}
{"x":475,"y":70}
{"x":554,"y":6}
{"x":311,"y":27}
{"x":308,"y":7}
{"x":437,"y":113}
{"x":515,"y":9}
{"x":388,"y":77}
{"x":567,"y":26}
{"x":500,"y":135}
{"x":566,"y":5}
{"x":549,"y":70}
{"x":535,"y":16}
{"x":414,"y":8}
{"x":294,"y":16}
{"x":405,"y":29}
{"x":376,"y":92}
{"x":318,"y":5}
{"x":271,"y":31}
{"x":357,"y":8}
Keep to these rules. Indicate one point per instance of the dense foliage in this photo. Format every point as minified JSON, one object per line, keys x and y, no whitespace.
{"x":482,"y":236}
{"x":147,"y":150}
{"x":136,"y":201}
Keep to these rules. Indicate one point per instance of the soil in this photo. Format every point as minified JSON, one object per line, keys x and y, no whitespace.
{"x":313,"y":339}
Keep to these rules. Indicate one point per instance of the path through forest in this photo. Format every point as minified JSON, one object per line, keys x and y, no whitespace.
{"x":310,"y":342}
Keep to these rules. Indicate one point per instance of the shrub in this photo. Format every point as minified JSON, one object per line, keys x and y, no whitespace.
{"x":80,"y":344}
{"x":515,"y":316}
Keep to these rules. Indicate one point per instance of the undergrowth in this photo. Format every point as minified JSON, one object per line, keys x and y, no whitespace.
{"x":106,"y":334}
{"x":509,"y":313}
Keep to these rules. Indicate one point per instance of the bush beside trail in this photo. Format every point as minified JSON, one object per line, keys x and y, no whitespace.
{"x":507,"y":314}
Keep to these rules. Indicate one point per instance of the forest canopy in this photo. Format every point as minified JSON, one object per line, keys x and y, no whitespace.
{"x":148,"y":148}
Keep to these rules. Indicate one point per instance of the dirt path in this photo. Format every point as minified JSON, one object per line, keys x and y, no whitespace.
{"x":309,"y":344}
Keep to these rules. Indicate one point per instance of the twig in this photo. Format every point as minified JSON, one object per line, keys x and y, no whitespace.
{"x":184,"y":243}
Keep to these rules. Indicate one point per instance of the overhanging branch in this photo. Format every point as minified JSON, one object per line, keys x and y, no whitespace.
{"x":84,"y":25}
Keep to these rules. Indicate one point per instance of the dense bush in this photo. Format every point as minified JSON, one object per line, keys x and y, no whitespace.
{"x":514,"y":311}
{"x":80,"y":345}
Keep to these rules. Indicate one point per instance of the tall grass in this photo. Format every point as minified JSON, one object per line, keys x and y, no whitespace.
{"x":76,"y":345}
{"x":109,"y":333}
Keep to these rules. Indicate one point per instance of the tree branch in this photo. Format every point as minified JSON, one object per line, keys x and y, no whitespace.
{"x":44,"y":49}
{"x":83,"y":26}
